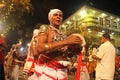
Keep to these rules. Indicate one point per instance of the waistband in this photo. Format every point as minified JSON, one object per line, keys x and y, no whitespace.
{"x":44,"y":60}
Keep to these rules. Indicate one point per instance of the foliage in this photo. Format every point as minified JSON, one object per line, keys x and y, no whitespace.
{"x":12,"y":12}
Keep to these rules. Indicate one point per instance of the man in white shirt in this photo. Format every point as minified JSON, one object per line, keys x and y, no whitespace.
{"x":105,"y":59}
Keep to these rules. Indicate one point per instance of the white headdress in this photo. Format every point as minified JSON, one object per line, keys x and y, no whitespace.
{"x":52,"y":12}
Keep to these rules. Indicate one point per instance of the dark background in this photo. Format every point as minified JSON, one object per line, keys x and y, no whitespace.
{"x":42,"y":7}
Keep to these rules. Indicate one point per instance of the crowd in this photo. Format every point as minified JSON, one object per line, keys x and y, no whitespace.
{"x":52,"y":55}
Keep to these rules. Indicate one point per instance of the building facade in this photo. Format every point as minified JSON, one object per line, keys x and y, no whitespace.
{"x":92,"y":22}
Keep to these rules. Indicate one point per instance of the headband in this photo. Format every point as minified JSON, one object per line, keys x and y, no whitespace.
{"x":52,"y":12}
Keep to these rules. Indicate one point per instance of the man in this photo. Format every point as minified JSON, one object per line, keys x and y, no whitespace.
{"x":14,"y":60}
{"x":105,"y":59}
{"x":51,"y":45}
{"x":30,"y":61}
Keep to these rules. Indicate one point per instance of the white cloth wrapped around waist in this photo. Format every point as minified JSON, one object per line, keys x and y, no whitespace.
{"x":49,"y":71}
{"x":65,"y":63}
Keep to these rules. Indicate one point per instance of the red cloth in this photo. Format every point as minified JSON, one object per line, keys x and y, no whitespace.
{"x":2,"y":52}
{"x":49,"y":62}
{"x":77,"y":76}
{"x":117,"y":62}
{"x":2,"y":40}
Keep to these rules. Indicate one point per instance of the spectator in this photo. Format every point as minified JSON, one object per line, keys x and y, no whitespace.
{"x":105,"y":57}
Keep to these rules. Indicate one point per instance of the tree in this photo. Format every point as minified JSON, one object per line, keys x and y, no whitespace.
{"x":11,"y":21}
{"x":11,"y":14}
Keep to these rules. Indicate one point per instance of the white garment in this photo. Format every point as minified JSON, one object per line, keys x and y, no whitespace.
{"x":106,"y":66}
{"x":84,"y":75}
{"x":65,"y":63}
{"x":44,"y":72}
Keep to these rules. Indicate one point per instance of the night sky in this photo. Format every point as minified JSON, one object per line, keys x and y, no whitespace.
{"x":42,"y":7}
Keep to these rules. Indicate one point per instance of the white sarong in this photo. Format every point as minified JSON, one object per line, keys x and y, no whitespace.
{"x":49,"y":70}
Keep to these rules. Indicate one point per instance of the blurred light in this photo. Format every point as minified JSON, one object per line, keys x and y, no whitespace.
{"x":112,"y":33}
{"x":73,"y":18}
{"x":118,"y":19}
{"x":68,"y":22}
{"x":103,"y":14}
{"x":20,"y":42}
{"x":2,"y":34}
{"x":2,"y":5}
{"x":28,"y":44}
{"x":22,"y":49}
{"x":103,"y":31}
{"x":83,"y":23}
{"x":89,"y":30}
{"x":83,"y":13}
{"x":111,"y":17}
{"x":100,"y":34}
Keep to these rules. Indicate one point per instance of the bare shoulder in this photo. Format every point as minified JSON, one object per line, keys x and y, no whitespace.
{"x":44,"y":28}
